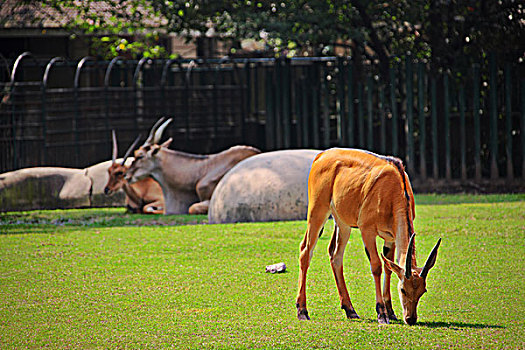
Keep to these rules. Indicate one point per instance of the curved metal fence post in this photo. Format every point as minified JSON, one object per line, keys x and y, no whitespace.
{"x":43,"y":88}
{"x":107,"y":76}
{"x":163,"y":82}
{"x":13,"y":109}
{"x":138,"y":95}
{"x":76,"y":116}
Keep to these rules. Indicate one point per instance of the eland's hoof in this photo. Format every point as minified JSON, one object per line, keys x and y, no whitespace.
{"x":350,"y":312}
{"x":382,"y":319}
{"x":302,"y":315}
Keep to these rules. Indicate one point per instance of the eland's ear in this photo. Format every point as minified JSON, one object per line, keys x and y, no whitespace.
{"x":154,"y":150}
{"x":392,"y":266}
{"x":167,"y":143}
{"x":431,"y":260}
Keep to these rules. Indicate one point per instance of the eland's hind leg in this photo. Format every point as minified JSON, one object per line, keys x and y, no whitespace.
{"x":316,"y":219}
{"x":336,"y":251}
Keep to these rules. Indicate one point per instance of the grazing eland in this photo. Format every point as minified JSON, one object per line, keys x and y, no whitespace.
{"x":364,"y":190}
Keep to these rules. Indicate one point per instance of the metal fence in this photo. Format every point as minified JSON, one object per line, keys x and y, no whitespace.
{"x":445,"y":124}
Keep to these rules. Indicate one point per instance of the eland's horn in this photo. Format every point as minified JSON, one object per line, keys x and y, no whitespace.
{"x":408,"y":264}
{"x":115,"y":147}
{"x":431,"y":260}
{"x":151,"y":136}
{"x":130,"y":149}
{"x":160,"y":130}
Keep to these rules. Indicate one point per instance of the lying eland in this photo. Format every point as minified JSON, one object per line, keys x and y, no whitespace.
{"x":187,"y":180}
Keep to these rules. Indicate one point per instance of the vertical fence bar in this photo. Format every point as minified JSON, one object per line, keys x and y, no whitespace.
{"x":360,"y":117}
{"x":446,"y":94}
{"x":422,"y":122}
{"x":393,"y":102}
{"x":276,"y":106}
{"x":476,"y":116}
{"x":341,"y":101}
{"x":522,"y":128}
{"x":314,"y":90}
{"x":462,"y":132}
{"x":248,"y":79}
{"x":370,"y":114}
{"x":351,"y":118}
{"x":43,"y":151}
{"x":299,"y":142}
{"x":493,"y":95}
{"x":306,"y":116}
{"x":270,"y":117}
{"x":286,"y":117}
{"x":508,"y":121}
{"x":410,"y":115}
{"x":382,"y":118}
{"x":433,"y":116}
{"x":325,"y":93}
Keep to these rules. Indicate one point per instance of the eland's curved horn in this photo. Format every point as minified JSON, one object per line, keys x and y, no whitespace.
{"x":115,"y":147}
{"x":160,"y":130}
{"x":130,"y":149}
{"x":408,"y":264}
{"x":151,"y":136}
{"x":431,"y":260}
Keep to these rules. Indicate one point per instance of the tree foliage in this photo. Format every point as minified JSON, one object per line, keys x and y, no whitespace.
{"x":444,"y":31}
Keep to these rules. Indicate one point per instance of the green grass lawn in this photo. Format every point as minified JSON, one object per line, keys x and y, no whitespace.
{"x":98,"y":278}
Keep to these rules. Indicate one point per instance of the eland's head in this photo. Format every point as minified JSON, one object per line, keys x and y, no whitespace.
{"x":412,"y":280}
{"x":146,"y":156}
{"x":116,"y":170}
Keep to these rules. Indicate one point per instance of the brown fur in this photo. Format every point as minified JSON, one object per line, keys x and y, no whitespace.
{"x":371,"y":192}
{"x":144,"y":196}
{"x":185,"y":176}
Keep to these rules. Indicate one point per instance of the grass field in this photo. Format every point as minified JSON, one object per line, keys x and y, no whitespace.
{"x":97,"y":278}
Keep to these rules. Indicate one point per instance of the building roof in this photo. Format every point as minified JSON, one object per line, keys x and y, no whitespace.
{"x":16,"y":14}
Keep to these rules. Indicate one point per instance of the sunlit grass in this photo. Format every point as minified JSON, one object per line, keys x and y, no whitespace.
{"x":100,"y":281}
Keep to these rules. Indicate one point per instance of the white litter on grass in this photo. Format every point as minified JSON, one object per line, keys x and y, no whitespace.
{"x":276,"y":268}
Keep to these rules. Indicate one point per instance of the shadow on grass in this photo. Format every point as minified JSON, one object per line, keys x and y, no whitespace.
{"x":457,"y":325}
{"x":51,"y":221}
{"x":441,"y":324}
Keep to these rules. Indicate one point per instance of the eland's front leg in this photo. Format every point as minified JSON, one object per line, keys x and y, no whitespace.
{"x":388,"y":251}
{"x":369,"y":239}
